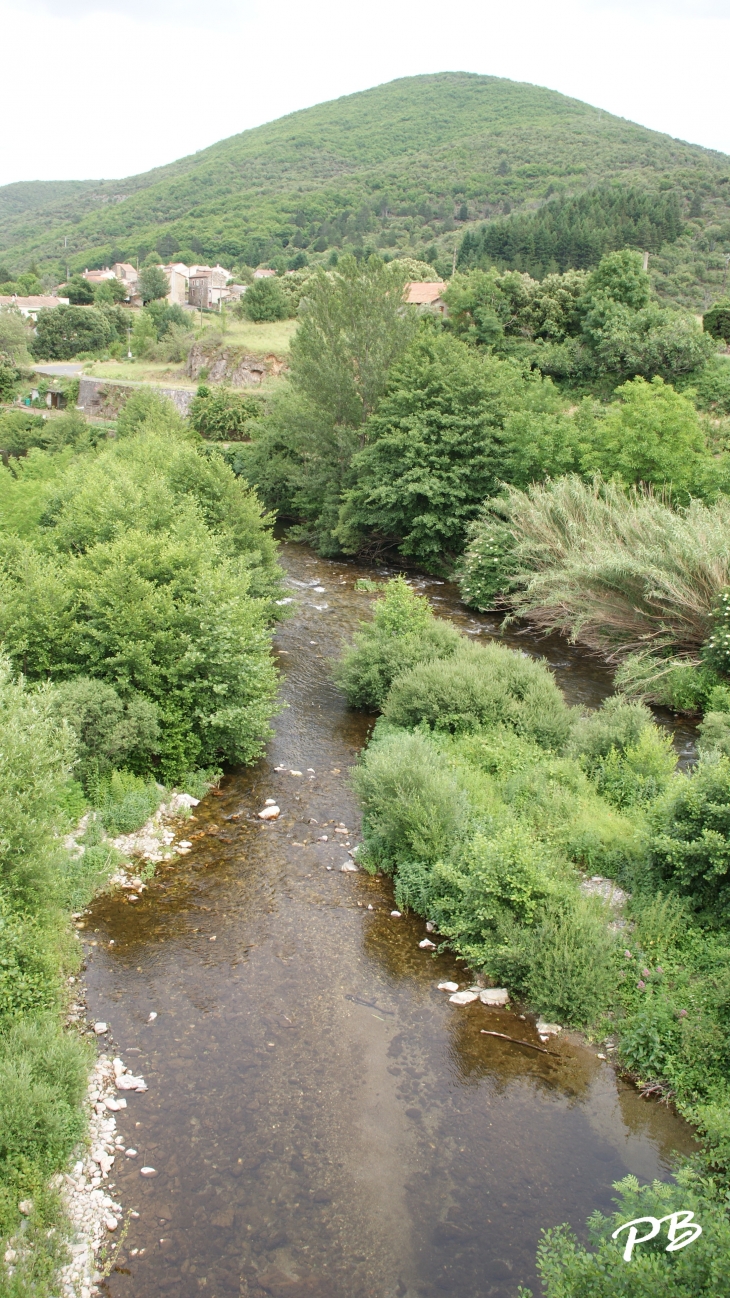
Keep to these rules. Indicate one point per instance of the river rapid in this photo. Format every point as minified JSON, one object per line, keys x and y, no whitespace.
{"x":321,"y":1120}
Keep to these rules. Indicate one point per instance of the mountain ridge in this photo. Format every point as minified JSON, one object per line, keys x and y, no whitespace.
{"x":389,"y":167}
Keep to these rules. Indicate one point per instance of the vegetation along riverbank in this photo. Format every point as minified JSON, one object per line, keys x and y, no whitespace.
{"x":138,"y":578}
{"x":564,"y":857}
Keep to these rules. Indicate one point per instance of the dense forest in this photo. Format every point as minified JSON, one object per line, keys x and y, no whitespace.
{"x":405,"y":168}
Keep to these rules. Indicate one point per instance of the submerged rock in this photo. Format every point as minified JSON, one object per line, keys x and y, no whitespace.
{"x":270,"y":813}
{"x":494,"y":996}
{"x":427,"y":944}
{"x":463,"y":998}
{"x":448,"y":987}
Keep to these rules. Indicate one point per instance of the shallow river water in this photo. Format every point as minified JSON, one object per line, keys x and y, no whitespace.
{"x":321,"y":1120}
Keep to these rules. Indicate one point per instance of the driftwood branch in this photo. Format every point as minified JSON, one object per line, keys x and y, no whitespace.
{"x":517,"y":1042}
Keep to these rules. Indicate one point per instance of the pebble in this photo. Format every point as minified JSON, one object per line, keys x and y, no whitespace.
{"x":26,"y":1207}
{"x":426,"y":944}
{"x":463,"y":998}
{"x":348,"y":868}
{"x":494,"y":996}
{"x":323,"y":838}
{"x":601,"y":1056}
{"x":448,"y":987}
{"x":270,"y":802}
{"x":148,"y":1171}
{"x":395,"y":914}
{"x":295,"y":772}
{"x":430,"y":926}
{"x":370,"y":906}
{"x":110,"y":1222}
{"x":131,"y":1153}
{"x":152,"y":1016}
{"x":99,"y":1028}
{"x":270,"y":813}
{"x":184,"y":842}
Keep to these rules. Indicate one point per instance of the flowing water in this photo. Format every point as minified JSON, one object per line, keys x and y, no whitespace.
{"x":321,"y":1120}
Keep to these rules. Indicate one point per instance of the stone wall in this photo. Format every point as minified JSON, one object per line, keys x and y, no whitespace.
{"x":104,"y":398}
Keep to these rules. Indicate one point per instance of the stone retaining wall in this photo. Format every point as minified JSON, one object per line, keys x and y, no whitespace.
{"x":104,"y":398}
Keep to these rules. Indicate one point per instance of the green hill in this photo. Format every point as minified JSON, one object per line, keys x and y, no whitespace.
{"x":406,"y":166}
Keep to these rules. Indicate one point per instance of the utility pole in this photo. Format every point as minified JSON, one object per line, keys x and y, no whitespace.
{"x":453,"y":262}
{"x":646,"y":261}
{"x":724,"y":278}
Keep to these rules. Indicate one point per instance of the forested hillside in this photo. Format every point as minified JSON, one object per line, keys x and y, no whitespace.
{"x":407,"y":167}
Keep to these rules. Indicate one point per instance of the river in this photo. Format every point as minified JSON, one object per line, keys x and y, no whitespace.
{"x":321,"y":1120}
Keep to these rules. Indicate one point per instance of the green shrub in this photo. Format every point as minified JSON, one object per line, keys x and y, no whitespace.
{"x":265,"y":300}
{"x":568,"y":1269}
{"x":43,"y":1078}
{"x":403,"y":632}
{"x":691,"y":845}
{"x":221,"y":415}
{"x":624,"y":752}
{"x":125,"y":801}
{"x":571,"y":972}
{"x":717,"y":649}
{"x":28,"y":965}
{"x":412,"y":806}
{"x":488,"y":563}
{"x":110,"y":732}
{"x":482,"y":686}
{"x":714,"y":733}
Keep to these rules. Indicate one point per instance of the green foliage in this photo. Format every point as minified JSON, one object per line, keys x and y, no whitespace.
{"x":353,"y":329}
{"x":717,"y":649}
{"x":488,"y":563}
{"x":124,"y":801}
{"x":153,"y":284}
{"x":568,"y":1269}
{"x":21,"y":430}
{"x":570,"y":963}
{"x":63,"y":332}
{"x":575,"y":232}
{"x":219,"y":414}
{"x":433,"y":449}
{"x":691,"y":843}
{"x":623,"y":752}
{"x":265,"y":300}
{"x":28,"y":966}
{"x":716,"y":321}
{"x":15,"y":335}
{"x":110,"y":732}
{"x":403,"y":632}
{"x":481,"y":685}
{"x":78,"y":291}
{"x":619,"y":277}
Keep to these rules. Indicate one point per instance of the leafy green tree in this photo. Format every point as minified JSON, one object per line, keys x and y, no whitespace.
{"x":109,"y":292}
{"x":477,"y":307}
{"x":621,"y":277}
{"x":652,"y":435}
{"x":434,"y":448}
{"x":153,"y":284}
{"x":15,"y":335}
{"x":63,"y":332}
{"x":265,"y":300}
{"x":716,"y":321}
{"x":78,"y":291}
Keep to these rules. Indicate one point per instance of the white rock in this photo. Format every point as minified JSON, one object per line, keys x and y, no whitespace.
{"x":184,"y":842}
{"x":430,"y":926}
{"x":101,"y":1027}
{"x":110,"y":1222}
{"x":427,"y":944}
{"x":270,"y":802}
{"x":370,"y":906}
{"x":323,"y":838}
{"x":494,"y":996}
{"x":270,"y":813}
{"x":547,"y":1029}
{"x":152,"y":1016}
{"x":395,"y":914}
{"x":118,"y":1066}
{"x":127,"y":1082}
{"x":448,"y":987}
{"x":26,"y":1207}
{"x":348,"y":868}
{"x":463,"y":998}
{"x":131,"y":1153}
{"x":283,"y":601}
{"x":148,"y":1171}
{"x":10,"y":1255}
{"x":295,"y":772}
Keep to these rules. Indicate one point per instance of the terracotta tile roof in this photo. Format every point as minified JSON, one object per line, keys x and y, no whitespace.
{"x":424,"y":294}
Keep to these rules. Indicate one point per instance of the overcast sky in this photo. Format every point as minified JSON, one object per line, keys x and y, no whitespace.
{"x":94,"y":88}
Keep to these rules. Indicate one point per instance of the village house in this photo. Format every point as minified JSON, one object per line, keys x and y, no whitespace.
{"x":208,"y":286}
{"x":30,"y":306}
{"x":427,"y":296}
{"x":263,"y":274}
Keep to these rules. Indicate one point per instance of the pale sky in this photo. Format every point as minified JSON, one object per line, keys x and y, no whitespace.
{"x":108,"y":88}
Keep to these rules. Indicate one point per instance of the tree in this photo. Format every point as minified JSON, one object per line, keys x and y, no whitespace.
{"x":265,"y":300}
{"x":153,"y":284}
{"x":434,"y":448}
{"x":78,"y":291}
{"x":64,"y":331}
{"x":15,"y":335}
{"x":621,"y":277}
{"x":109,"y":292}
{"x":716,"y":321}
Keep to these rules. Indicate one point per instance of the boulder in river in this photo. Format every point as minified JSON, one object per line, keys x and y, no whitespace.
{"x":494,"y":996}
{"x":427,"y":944}
{"x":270,"y":813}
{"x":448,"y":987}
{"x":463,"y":998}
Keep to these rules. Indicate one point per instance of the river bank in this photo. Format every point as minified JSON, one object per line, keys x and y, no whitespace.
{"x":321,"y":1119}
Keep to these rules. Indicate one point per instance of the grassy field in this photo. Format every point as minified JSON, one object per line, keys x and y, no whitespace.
{"x":262,"y":339}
